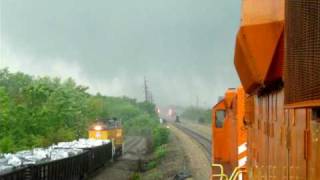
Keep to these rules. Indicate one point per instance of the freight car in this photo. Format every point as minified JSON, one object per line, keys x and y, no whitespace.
{"x":108,"y":129}
{"x":277,"y":58}
{"x":79,"y":166}
{"x":76,"y":167}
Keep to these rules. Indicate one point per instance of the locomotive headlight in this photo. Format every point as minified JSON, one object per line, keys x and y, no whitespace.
{"x":97,"y":128}
{"x":119,"y":134}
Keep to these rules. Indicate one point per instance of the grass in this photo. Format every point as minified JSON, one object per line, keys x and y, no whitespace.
{"x":160,"y":152}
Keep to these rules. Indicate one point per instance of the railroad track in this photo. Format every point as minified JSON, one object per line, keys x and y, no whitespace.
{"x":203,"y":141}
{"x":128,"y":145}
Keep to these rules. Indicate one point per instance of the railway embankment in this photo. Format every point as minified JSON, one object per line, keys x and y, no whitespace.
{"x":195,"y":151}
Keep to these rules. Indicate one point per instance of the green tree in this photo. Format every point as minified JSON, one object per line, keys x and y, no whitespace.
{"x":39,"y":111}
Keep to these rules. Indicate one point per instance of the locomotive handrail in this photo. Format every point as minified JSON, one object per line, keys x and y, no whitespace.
{"x":236,"y":172}
{"x":222,"y":175}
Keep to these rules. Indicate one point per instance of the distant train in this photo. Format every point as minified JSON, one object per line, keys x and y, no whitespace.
{"x":167,"y":113}
{"x":108,"y":129}
{"x":277,"y":58}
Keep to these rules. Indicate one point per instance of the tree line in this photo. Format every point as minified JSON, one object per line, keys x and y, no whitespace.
{"x":40,"y":111}
{"x":197,"y":114}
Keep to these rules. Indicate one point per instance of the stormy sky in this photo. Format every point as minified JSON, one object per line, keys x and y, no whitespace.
{"x":183,"y":47}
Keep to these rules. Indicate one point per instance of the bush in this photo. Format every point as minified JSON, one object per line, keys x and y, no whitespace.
{"x":159,"y":153}
{"x":160,"y":136}
{"x":135,"y":176}
{"x":6,"y":145}
{"x":152,"y":164}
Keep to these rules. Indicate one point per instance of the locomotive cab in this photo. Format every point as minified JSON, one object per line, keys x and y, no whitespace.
{"x":229,"y":147}
{"x":110,"y":129}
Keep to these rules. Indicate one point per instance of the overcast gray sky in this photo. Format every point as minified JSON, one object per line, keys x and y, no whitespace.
{"x":183,"y":47}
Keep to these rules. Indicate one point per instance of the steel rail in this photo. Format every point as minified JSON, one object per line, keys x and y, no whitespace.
{"x":202,"y":140}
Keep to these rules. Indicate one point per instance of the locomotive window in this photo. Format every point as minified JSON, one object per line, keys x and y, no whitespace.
{"x":316,"y":114}
{"x":220,"y":118}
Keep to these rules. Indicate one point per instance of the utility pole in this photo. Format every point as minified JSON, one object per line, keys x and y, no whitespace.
{"x":146,"y":93}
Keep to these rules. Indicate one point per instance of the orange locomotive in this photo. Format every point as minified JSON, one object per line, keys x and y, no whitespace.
{"x":229,"y":134}
{"x":277,"y":58}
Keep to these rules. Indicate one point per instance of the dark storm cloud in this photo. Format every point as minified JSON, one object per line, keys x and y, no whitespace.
{"x":183,"y":47}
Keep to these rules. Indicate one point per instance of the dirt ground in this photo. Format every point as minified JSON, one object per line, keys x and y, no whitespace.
{"x":127,"y":165}
{"x":197,"y":161}
{"x":172,"y":164}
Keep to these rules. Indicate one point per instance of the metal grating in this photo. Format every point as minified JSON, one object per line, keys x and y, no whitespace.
{"x":302,"y":66}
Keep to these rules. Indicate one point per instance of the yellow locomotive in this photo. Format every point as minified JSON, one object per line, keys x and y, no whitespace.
{"x":110,"y":129}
